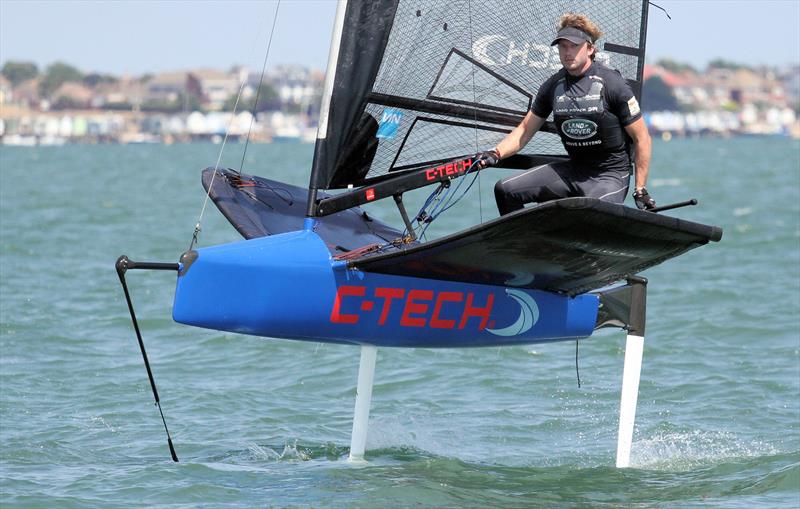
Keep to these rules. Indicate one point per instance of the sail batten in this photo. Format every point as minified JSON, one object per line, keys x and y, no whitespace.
{"x":462,"y":110}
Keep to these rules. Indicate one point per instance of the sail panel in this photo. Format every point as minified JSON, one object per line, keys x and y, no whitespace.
{"x":361,"y":46}
{"x":489,"y":89}
{"x":447,"y":67}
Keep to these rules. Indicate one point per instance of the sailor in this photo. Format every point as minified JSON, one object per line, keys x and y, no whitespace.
{"x":598,"y":118}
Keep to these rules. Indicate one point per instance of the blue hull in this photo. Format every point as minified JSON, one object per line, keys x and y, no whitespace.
{"x":289,"y":286}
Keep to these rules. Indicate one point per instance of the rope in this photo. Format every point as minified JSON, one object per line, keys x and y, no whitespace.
{"x":443,"y":203}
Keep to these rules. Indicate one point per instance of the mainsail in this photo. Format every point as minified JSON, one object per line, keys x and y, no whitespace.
{"x":414,"y":83}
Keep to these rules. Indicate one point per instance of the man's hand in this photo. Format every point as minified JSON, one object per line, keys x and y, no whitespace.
{"x":488,"y":158}
{"x":643,"y":199}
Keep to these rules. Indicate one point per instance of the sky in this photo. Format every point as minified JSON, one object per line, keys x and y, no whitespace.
{"x":141,"y":36}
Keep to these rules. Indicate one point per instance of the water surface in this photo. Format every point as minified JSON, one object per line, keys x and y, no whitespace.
{"x":266,"y":423}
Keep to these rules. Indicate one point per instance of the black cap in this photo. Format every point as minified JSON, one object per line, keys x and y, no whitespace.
{"x":573,"y":35}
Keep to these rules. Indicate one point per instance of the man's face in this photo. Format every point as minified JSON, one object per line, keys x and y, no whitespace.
{"x":575,"y":57}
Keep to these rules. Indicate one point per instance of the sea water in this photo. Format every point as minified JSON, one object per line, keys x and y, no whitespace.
{"x":266,"y":423}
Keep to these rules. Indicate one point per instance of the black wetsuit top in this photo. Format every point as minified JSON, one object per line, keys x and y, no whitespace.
{"x":591,"y":112}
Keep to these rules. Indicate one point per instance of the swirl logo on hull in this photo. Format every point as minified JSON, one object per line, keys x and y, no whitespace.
{"x":528,"y":315}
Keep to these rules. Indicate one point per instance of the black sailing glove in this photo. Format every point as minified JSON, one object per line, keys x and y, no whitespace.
{"x":488,"y":158}
{"x":643,"y":199}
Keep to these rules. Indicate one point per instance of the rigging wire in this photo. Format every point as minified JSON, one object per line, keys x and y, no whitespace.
{"x":260,"y":81}
{"x":475,"y":101}
{"x":659,"y":7}
{"x":197,"y":226}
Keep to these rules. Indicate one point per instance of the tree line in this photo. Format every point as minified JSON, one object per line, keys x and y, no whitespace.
{"x":53,"y":76}
{"x":58,"y":73}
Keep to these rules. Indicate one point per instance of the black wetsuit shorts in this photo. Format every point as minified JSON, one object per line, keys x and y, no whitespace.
{"x":560,"y":180}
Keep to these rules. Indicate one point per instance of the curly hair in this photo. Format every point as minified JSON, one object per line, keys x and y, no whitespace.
{"x":582,"y":23}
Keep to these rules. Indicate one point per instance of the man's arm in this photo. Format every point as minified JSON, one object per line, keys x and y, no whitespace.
{"x":520,"y":136}
{"x":643,"y":146}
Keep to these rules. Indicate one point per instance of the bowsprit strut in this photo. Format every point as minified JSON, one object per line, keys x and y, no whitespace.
{"x":122,"y":265}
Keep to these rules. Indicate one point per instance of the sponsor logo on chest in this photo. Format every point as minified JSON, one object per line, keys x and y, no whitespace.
{"x":579,"y":128}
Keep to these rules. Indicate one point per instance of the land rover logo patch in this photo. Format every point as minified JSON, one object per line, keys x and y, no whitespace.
{"x":579,"y":129}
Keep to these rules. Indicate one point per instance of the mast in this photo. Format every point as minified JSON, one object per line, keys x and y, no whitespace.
{"x":327,"y":92}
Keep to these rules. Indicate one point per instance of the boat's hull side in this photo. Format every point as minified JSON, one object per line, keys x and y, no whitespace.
{"x":288,"y":286}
